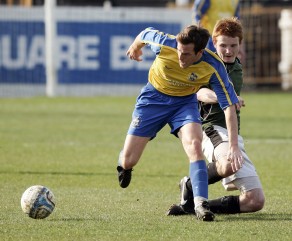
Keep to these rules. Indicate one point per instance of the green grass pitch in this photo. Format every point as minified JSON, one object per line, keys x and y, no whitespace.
{"x":71,"y":145}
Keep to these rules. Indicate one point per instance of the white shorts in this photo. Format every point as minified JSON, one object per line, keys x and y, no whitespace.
{"x":241,"y":178}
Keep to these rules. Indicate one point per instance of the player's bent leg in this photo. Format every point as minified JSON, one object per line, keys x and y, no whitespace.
{"x":129,"y":157}
{"x":219,"y":167}
{"x":213,"y":175}
{"x":132,"y":151}
{"x":252,"y":201}
{"x":252,"y":197}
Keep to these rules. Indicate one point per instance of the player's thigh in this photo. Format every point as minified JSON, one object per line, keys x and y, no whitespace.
{"x":220,"y":152}
{"x":208,"y":148}
{"x":190,"y":132}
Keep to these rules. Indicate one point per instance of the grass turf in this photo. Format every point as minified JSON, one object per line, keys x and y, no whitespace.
{"x":71,"y":145}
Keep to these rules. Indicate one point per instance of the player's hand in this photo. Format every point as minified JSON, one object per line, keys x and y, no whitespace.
{"x":235,"y":157}
{"x":134,"y":53}
{"x":240,"y":103}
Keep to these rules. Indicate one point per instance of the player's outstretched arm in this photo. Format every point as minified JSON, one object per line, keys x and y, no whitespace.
{"x":234,"y":153}
{"x":135,"y":50}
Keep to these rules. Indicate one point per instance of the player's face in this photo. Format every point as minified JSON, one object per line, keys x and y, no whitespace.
{"x":227,"y":48}
{"x":186,"y":55}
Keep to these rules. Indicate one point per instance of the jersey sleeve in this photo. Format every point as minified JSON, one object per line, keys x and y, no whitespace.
{"x":223,"y":87}
{"x":156,"y":39}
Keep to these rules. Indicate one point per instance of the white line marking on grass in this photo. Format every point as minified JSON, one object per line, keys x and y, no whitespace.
{"x":268,"y":141}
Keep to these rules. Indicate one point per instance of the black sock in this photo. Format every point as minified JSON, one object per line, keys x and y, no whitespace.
{"x":213,"y":175}
{"x":225,"y":205}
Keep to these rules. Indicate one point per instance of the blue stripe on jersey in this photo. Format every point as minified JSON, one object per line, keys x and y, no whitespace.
{"x":237,"y":11}
{"x":201,"y":8}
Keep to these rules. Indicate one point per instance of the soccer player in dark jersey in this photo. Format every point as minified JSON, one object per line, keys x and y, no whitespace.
{"x":182,"y":65}
{"x":227,"y":36}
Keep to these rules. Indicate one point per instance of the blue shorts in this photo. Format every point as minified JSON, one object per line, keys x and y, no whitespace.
{"x":153,"y":110}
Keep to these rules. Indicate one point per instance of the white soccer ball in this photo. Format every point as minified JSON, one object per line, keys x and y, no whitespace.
{"x":38,"y":202}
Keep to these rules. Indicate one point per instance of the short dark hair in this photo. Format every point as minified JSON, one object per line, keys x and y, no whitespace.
{"x":194,"y":34}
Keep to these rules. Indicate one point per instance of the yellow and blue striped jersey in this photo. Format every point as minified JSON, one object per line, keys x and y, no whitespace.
{"x":168,"y":77}
{"x":207,"y":12}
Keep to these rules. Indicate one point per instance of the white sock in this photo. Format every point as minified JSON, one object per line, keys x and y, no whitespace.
{"x":199,"y":200}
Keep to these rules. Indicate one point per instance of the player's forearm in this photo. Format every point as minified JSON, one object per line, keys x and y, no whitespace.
{"x":207,"y":96}
{"x":232,"y":125}
{"x":234,"y":153}
{"x":134,"y":52}
{"x":138,"y":44}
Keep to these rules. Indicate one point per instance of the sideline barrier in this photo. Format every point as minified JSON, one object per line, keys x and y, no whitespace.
{"x":90,"y":48}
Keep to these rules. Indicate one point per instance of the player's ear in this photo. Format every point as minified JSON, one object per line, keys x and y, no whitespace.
{"x":214,"y":41}
{"x":201,"y":51}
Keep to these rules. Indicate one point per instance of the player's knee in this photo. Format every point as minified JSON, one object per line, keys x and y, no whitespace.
{"x":253,"y":201}
{"x":259,"y":199}
{"x":258,"y":203}
{"x":196,"y":144}
{"x":193,"y":149}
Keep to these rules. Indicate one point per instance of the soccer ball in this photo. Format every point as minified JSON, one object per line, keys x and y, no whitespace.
{"x":37,"y":202}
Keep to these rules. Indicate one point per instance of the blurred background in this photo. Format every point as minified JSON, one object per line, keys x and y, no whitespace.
{"x":77,"y":47}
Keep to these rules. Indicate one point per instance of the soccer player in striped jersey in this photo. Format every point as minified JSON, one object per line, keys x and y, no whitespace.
{"x":227,"y":37}
{"x":182,"y":65}
{"x":207,"y":12}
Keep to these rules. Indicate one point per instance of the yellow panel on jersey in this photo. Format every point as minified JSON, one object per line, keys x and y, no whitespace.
{"x":169,"y":78}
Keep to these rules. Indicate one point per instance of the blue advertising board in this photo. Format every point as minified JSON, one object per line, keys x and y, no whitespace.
{"x":85,"y":52}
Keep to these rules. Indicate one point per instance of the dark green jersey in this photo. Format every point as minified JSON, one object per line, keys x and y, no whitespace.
{"x":213,"y":114}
